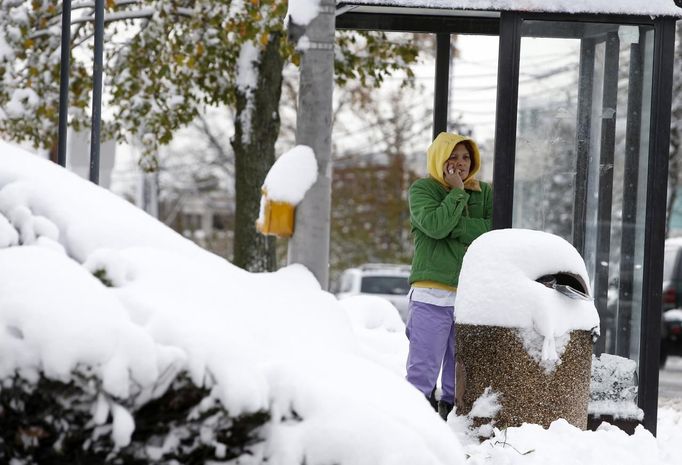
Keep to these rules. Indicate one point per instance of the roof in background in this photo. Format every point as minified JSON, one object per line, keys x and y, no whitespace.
{"x":622,"y":7}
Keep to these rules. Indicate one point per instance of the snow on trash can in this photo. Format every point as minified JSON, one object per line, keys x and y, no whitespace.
{"x":289,"y":178}
{"x":525,"y":325}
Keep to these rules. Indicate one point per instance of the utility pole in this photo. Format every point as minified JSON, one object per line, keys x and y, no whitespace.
{"x":309,"y":245}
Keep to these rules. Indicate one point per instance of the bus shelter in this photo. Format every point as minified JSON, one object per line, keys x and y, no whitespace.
{"x":589,"y":163}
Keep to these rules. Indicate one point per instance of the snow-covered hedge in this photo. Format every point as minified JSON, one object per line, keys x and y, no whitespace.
{"x":55,"y":422}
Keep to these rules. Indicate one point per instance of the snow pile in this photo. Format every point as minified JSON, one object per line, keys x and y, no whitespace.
{"x":498,"y":287}
{"x":92,"y":286}
{"x":36,"y":285}
{"x":563,"y":443}
{"x":625,"y":7}
{"x":613,"y":387}
{"x":380,"y":330}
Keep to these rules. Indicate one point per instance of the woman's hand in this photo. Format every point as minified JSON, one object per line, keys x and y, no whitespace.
{"x":452,"y":177}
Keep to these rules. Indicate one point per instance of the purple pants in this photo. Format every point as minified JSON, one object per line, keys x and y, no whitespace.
{"x":431,"y":332}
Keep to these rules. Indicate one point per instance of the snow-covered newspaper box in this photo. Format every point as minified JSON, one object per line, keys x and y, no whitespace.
{"x":613,"y":392}
{"x":525,"y":328}
{"x":286,"y":183}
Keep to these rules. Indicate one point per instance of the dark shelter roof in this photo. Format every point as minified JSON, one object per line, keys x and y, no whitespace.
{"x":616,"y":7}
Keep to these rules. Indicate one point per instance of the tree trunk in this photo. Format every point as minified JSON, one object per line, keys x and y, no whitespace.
{"x":254,"y":155}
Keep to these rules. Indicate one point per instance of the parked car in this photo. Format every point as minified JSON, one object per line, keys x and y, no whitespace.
{"x":387,"y":280}
{"x":671,"y":339}
{"x":671,"y":343}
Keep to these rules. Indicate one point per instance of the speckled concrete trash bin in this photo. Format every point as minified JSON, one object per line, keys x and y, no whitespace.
{"x":529,"y":342}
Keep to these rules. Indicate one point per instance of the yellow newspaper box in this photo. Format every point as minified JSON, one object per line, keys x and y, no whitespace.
{"x":276,"y":219}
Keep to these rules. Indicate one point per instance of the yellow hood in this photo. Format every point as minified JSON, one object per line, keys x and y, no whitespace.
{"x":439,"y":151}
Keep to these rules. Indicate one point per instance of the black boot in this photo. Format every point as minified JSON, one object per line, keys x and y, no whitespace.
{"x":432,"y":399}
{"x":444,"y":409}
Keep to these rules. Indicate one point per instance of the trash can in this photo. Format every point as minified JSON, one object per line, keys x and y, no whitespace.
{"x":525,"y":325}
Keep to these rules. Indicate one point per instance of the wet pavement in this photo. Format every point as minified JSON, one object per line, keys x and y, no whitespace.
{"x":670,"y":382}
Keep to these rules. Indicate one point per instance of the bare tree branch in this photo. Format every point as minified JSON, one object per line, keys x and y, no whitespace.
{"x":223,"y":156}
{"x":143,"y":13}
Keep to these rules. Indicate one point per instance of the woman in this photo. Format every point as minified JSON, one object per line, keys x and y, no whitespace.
{"x":448,"y":210}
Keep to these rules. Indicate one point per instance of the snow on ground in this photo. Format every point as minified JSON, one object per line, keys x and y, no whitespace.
{"x":669,"y":431}
{"x":379,"y":329}
{"x":90,"y":281}
{"x":563,"y":443}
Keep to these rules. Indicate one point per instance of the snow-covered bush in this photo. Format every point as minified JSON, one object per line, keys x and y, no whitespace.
{"x":53,"y":422}
{"x":122,"y":342}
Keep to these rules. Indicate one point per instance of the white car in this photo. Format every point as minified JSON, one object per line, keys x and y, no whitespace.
{"x":389,"y":281}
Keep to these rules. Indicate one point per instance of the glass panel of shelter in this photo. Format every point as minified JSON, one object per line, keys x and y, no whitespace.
{"x":582,"y":150}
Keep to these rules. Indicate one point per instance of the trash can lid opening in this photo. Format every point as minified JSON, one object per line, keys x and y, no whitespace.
{"x":564,"y":282}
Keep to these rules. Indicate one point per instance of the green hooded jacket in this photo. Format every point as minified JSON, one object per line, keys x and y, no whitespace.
{"x":444,"y":220}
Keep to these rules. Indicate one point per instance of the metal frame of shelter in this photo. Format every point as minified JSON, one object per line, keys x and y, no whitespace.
{"x":96,"y":87}
{"x":507,"y":25}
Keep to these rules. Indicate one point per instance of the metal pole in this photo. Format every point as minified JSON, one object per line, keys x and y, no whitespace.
{"x":582,"y":143}
{"x":505,"y":119}
{"x":310,"y":243}
{"x":64,"y":82}
{"x":97,"y":92}
{"x":441,"y":91}
{"x":605,"y":199}
{"x":654,"y":224}
{"x":633,"y":129}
